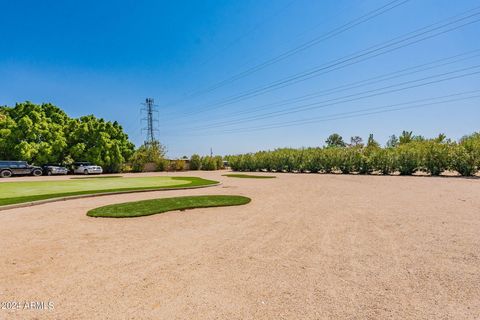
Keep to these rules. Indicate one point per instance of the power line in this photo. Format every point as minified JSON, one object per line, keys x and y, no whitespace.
{"x":352,"y":59}
{"x":366,"y":96}
{"x":234,"y":42}
{"x":357,"y":84}
{"x":352,"y":114}
{"x":373,"y":110}
{"x":301,"y":77}
{"x":358,"y":113}
{"x":332,"y":33}
{"x":354,"y":97}
{"x":376,"y":79}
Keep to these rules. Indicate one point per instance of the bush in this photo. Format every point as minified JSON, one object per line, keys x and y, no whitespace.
{"x":412,"y":153}
{"x":219,"y":162}
{"x":149,"y":153}
{"x":195,"y":162}
{"x":137,"y":166}
{"x":162,"y":165}
{"x":435,"y":157}
{"x":383,"y":160}
{"x":407,"y":158}
{"x":126,"y":168}
{"x":208,"y":163}
{"x":177,"y":165}
{"x":466,"y":155}
{"x":462,"y":162}
{"x":331,"y":159}
{"x":313,"y":160}
{"x":349,"y":160}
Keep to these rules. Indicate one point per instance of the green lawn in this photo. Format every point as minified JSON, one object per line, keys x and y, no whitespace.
{"x":96,"y":177}
{"x":26,"y":191}
{"x":251,"y":176}
{"x":149,"y":207}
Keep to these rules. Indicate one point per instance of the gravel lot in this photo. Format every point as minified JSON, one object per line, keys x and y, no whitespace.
{"x":308,"y":246}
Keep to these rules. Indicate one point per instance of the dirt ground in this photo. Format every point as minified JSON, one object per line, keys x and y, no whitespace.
{"x":308,"y":246}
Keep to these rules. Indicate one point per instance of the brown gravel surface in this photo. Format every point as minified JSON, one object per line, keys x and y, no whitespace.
{"x":307,"y":247}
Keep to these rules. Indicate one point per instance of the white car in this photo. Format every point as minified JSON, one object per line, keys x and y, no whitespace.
{"x":86,"y":168}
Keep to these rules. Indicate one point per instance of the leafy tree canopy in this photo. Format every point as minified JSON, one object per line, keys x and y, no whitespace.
{"x":45,"y":133}
{"x":148,"y":153}
{"x":335,"y":140}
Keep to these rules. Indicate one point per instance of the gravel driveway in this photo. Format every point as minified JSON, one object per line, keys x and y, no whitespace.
{"x":308,"y":246}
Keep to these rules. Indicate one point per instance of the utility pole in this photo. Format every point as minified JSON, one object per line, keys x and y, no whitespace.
{"x":211,"y":152}
{"x":151,"y":113}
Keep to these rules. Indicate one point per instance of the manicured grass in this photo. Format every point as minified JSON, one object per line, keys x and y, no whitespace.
{"x":26,"y":191}
{"x":250,"y":176}
{"x":149,"y":207}
{"x":96,"y":177}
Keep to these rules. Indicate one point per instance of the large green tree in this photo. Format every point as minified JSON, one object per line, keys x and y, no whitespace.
{"x":99,"y":141}
{"x":44,"y":133}
{"x":33,"y":132}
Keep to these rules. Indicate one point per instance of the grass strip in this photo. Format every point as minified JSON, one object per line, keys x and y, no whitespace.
{"x":149,"y":207}
{"x":100,"y":177}
{"x":247,"y":176}
{"x":189,"y":183}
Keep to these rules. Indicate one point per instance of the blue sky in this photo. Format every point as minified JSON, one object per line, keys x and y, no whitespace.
{"x":106,"y":57}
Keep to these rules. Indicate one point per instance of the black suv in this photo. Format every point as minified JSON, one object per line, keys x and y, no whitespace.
{"x":10,"y":168}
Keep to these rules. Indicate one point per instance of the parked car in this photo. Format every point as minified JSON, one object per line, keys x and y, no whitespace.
{"x":51,"y":169}
{"x":86,"y":168}
{"x":11,"y":168}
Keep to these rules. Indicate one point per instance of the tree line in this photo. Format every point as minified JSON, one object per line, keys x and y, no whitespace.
{"x":405,"y":155}
{"x":44,"y":133}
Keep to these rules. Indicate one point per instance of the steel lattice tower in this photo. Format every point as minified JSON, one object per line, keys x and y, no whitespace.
{"x":151,"y":113}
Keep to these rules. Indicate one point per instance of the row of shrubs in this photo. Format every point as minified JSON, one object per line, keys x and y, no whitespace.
{"x":433,"y":156}
{"x":196,"y":163}
{"x":206,"y":163}
{"x":151,"y":157}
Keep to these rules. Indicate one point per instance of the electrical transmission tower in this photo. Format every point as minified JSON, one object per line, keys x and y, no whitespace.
{"x":152,"y":120}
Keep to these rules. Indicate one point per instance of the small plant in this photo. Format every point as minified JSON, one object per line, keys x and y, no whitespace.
{"x":126,"y":168}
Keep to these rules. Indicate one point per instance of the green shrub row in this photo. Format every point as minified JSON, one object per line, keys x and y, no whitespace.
{"x":206,"y":163}
{"x":405,"y":157}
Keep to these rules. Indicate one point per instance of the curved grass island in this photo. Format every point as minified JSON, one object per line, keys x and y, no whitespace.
{"x":154,"y":206}
{"x":247,"y":176}
{"x":30,"y":191}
